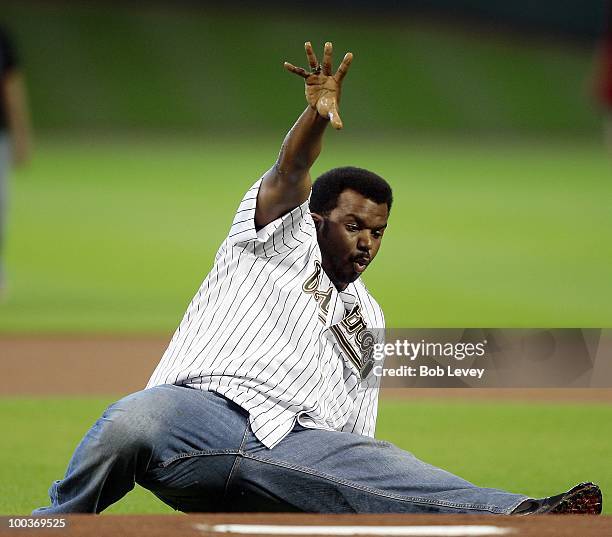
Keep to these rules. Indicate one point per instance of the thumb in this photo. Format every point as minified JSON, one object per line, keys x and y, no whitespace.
{"x":334,"y":117}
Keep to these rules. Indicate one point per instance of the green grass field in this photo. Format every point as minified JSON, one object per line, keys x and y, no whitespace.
{"x":538,"y":449}
{"x":117,"y":235}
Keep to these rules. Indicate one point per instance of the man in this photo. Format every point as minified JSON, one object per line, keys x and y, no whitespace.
{"x":265,"y":399}
{"x":14,"y":128}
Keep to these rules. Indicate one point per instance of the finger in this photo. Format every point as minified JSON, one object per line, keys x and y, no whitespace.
{"x":327,"y":59}
{"x":312,"y":58}
{"x":296,"y":70}
{"x":344,"y":66}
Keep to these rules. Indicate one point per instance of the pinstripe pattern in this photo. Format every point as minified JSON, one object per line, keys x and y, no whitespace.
{"x":254,"y":335}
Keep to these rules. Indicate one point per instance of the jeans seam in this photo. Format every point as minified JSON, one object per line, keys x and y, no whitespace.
{"x":202,"y":453}
{"x":378,"y":492}
{"x":237,"y":460}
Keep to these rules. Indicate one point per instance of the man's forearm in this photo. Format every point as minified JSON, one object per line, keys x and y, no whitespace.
{"x":287,"y":184}
{"x":302,"y":145}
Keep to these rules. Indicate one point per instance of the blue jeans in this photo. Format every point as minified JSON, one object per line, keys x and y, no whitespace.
{"x":195,"y":451}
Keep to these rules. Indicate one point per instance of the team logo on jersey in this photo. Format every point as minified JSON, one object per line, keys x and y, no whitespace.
{"x":356,"y":340}
{"x":351,"y":333}
{"x":322,"y":298}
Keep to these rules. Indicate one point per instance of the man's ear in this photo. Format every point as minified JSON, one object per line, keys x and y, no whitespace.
{"x":319,"y":221}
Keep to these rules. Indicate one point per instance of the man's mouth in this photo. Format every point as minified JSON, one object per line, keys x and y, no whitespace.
{"x":360,"y":263}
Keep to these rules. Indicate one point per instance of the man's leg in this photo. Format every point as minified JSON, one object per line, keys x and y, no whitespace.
{"x":178,"y":442}
{"x":335,"y":472}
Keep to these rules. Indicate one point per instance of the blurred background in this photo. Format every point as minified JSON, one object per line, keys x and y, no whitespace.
{"x":151,"y":119}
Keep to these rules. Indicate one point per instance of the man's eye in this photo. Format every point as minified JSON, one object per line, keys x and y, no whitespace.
{"x":377,"y":234}
{"x":352,"y":227}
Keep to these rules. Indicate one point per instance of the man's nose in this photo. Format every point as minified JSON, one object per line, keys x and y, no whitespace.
{"x":365,"y":240}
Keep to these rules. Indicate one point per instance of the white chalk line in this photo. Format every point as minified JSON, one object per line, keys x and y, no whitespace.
{"x":406,"y":531}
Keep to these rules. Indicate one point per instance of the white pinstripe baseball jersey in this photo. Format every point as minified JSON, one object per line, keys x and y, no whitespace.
{"x":268,"y":330}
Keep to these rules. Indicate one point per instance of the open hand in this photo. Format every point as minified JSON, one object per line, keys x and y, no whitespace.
{"x":323,"y":88}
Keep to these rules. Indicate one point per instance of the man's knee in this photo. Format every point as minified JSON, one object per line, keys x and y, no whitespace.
{"x":134,"y":422}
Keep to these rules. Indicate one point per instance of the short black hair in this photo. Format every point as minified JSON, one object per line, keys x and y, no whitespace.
{"x":327,"y":188}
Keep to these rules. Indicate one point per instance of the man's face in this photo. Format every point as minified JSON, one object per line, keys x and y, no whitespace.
{"x":350,"y":235}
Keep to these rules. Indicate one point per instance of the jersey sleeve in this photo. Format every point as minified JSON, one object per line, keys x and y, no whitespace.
{"x":279,"y":236}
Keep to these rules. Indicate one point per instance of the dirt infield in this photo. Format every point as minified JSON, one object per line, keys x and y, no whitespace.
{"x":217,"y":525}
{"x":117,"y":365}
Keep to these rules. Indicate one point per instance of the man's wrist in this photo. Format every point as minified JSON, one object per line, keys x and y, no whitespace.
{"x":317,"y":119}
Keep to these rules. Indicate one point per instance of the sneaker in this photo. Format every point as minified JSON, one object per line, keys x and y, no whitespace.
{"x":583,"y":499}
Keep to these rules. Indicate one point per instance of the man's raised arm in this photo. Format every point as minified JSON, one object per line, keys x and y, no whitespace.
{"x":287,"y":184}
